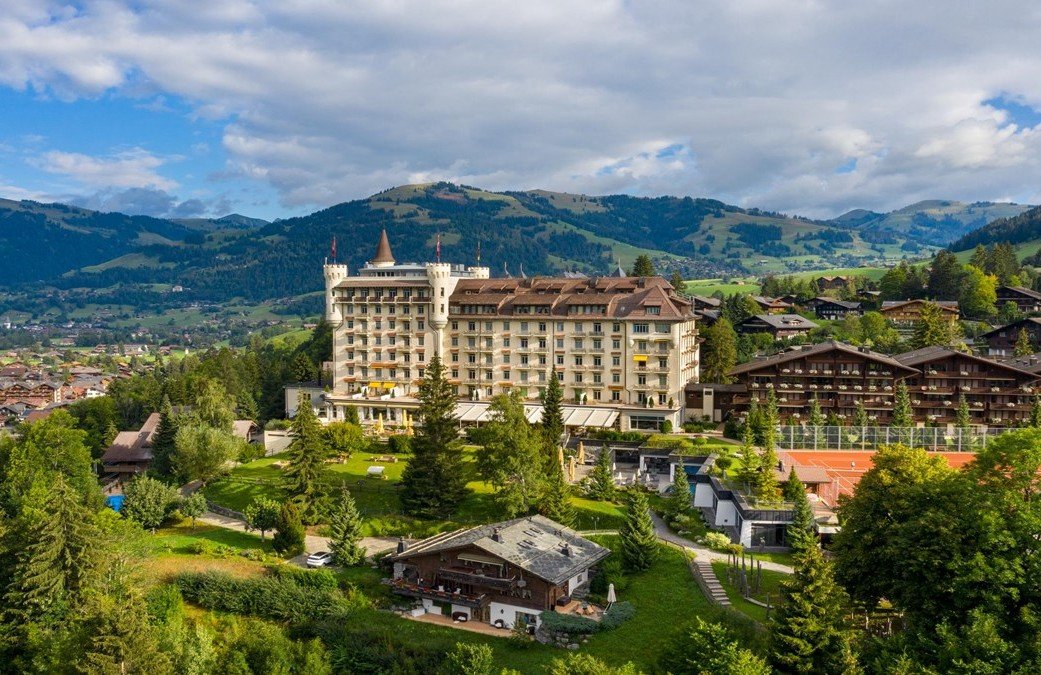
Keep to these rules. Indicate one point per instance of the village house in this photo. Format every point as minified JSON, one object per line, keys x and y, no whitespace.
{"x":907,"y":313}
{"x":1026,"y":300}
{"x":780,"y":326}
{"x":772,"y":305}
{"x":1002,"y":341}
{"x":498,"y":573}
{"x":832,"y":283}
{"x":831,"y":309}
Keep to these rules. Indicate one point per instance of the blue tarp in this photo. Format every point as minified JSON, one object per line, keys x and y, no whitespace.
{"x":115,"y":502}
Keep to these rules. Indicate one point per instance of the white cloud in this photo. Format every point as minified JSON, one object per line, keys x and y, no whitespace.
{"x":135,"y":168}
{"x":330,"y":100}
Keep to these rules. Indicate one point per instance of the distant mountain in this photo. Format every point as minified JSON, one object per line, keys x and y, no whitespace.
{"x":42,"y":241}
{"x":232,"y":221}
{"x":1019,"y":229}
{"x":539,"y":232}
{"x":933,"y":222}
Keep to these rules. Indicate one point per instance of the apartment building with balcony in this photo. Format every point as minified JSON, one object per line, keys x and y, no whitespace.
{"x":625,"y":344}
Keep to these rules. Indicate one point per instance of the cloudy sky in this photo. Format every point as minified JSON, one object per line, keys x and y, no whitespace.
{"x":198,"y":107}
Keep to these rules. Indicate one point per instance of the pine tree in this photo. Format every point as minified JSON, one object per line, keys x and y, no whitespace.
{"x":749,"y":458}
{"x":1023,"y":346}
{"x":434,"y":481}
{"x":679,"y":500}
{"x":643,"y":267}
{"x":934,"y":328}
{"x":1035,"y":412}
{"x":555,"y":502}
{"x":553,"y":412}
{"x":677,"y":282}
{"x":903,"y":416}
{"x":163,"y":441}
{"x":719,"y":352}
{"x":860,"y":417}
{"x":816,"y":419}
{"x":964,"y":417}
{"x":802,"y":530}
{"x":289,"y":535}
{"x":765,"y":481}
{"x":601,"y":478}
{"x":639,"y":545}
{"x":306,"y":463}
{"x":809,"y":632}
{"x":345,"y":528}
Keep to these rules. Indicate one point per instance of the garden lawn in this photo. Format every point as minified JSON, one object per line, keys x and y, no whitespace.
{"x":769,"y":591}
{"x":181,"y":548}
{"x":377,"y":499}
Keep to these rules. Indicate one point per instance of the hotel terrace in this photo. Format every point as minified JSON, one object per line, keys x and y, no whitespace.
{"x":623,"y":348}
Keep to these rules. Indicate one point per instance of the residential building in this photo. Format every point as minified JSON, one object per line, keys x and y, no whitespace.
{"x":907,"y":313}
{"x":831,"y":309}
{"x":625,"y":344}
{"x":842,"y":377}
{"x":1026,"y":300}
{"x":1002,"y":341}
{"x":497,"y":574}
{"x":32,"y":391}
{"x":997,"y":393}
{"x":701,"y":302}
{"x":780,"y":326}
{"x":772,"y":305}
{"x":832,"y":283}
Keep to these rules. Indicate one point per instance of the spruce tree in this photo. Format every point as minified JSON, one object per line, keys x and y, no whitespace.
{"x":639,"y":545}
{"x":809,"y":631}
{"x":289,"y":531}
{"x":964,"y":417}
{"x":434,"y":481}
{"x":306,"y":463}
{"x":816,"y":419}
{"x":719,"y":352}
{"x":679,"y":500}
{"x":860,"y":417}
{"x":765,"y":481}
{"x":1023,"y":346}
{"x":903,"y":416}
{"x":748,"y":457}
{"x":164,"y":441}
{"x":802,"y":530}
{"x":643,"y":267}
{"x":555,"y":503}
{"x":601,"y":478}
{"x":1035,"y":412}
{"x":553,"y":412}
{"x":345,"y":528}
{"x":793,"y":487}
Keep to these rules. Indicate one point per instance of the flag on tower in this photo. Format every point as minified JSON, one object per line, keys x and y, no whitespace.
{"x":438,"y":247}
{"x":478,"y":251}
{"x":334,"y":249}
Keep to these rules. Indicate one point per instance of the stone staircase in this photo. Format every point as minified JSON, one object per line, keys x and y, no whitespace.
{"x":710,"y":585}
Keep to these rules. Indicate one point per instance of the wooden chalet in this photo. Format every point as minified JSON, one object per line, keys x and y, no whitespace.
{"x":998,"y":394}
{"x":836,"y":374}
{"x":772,"y":305}
{"x":498,"y":573}
{"x":1026,"y":300}
{"x":831,"y":309}
{"x":779,"y":325}
{"x":909,"y":312}
{"x":832,"y":283}
{"x":701,"y":302}
{"x":1002,"y":341}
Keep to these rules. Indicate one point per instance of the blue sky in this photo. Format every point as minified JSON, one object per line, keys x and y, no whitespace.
{"x":275,"y":109}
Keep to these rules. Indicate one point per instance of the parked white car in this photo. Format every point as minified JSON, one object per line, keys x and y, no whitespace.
{"x":319,"y":559}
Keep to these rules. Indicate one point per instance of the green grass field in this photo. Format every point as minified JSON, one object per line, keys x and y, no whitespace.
{"x":377,"y":499}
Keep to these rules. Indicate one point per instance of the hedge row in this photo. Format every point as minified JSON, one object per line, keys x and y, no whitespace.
{"x":278,"y":598}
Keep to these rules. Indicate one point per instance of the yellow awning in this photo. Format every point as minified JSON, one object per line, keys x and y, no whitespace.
{"x":640,"y":358}
{"x":388,"y":385}
{"x":374,"y":385}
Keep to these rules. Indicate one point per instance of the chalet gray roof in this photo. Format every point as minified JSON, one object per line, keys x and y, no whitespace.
{"x":782,"y":321}
{"x":848,"y":304}
{"x":947,"y":304}
{"x":535,"y":544}
{"x":1022,"y":290}
{"x":925,"y":355}
{"x":1031,"y":363}
{"x":1015,"y":325}
{"x":820,"y":348}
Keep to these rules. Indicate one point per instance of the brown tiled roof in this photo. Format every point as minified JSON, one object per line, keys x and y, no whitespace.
{"x":781,"y":321}
{"x":919,"y":357}
{"x":622,"y":297}
{"x":943,"y":304}
{"x":1022,"y":290}
{"x":820,"y":348}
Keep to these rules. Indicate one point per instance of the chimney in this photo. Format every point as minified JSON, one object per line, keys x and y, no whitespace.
{"x":402,"y":546}
{"x":496,"y":536}
{"x":566,"y":550}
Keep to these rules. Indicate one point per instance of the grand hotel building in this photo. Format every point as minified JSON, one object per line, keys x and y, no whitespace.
{"x":623,"y":348}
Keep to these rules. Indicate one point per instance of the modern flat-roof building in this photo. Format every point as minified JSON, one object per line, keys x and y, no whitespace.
{"x":625,"y":344}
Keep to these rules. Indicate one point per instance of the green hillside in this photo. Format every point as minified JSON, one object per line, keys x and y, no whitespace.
{"x":934,"y":222}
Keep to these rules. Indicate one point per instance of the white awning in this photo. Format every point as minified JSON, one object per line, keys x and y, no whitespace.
{"x":574,"y":416}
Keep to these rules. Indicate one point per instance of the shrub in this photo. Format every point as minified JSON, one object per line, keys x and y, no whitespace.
{"x":717,"y":541}
{"x":277,"y":425}
{"x":399,"y":444}
{"x":616,"y":615}
{"x":289,"y":535}
{"x":568,"y":624}
{"x":273,"y":598}
{"x":614,"y":435}
{"x":664,"y":442}
{"x":317,"y":579}
{"x":251,"y":452}
{"x":200,"y":548}
{"x":609,"y":572}
{"x":666,"y":427}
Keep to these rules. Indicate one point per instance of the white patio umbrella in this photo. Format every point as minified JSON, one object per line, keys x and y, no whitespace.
{"x":611,"y":598}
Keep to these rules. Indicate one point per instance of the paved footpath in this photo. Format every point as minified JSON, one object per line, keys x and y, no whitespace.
{"x":372,"y":545}
{"x":703,"y":552}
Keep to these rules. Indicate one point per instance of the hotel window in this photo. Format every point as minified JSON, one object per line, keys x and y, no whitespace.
{"x":597,"y":378}
{"x":542,"y":326}
{"x":542,"y":343}
{"x":578,"y":378}
{"x":663,"y":363}
{"x":421,"y":340}
{"x":455,"y":357}
{"x":616,"y":344}
{"x":455,"y":374}
{"x":505,"y":325}
{"x":487,"y":343}
{"x":616,"y":361}
{"x":598,"y":327}
{"x":455,"y":341}
{"x":616,"y":327}
{"x":578,"y":343}
{"x":616,"y":378}
{"x":421,"y":325}
{"x":487,"y":325}
{"x":524,"y":376}
{"x":662,"y":398}
{"x":578,"y":360}
{"x":542,"y":359}
{"x":524,"y":326}
{"x":641,"y":328}
{"x":505,"y":358}
{"x":641,"y":379}
{"x":596,"y":395}
{"x":422,"y":358}
{"x":578,"y":326}
{"x":392,"y":372}
{"x":506,"y":342}
{"x":524,"y":359}
{"x":560,"y":375}
{"x":560,"y":325}
{"x":560,"y":343}
{"x":661,"y":328}
{"x":616,"y":396}
{"x":524,"y":343}
{"x":505,"y":374}
{"x":598,"y":361}
{"x":663,"y":380}
{"x":598,"y":344}
{"x":471,"y":342}
{"x":472,"y":374}
{"x":487,"y":374}
{"x":471,"y":358}
{"x":542,"y":376}
{"x":471,"y":325}
{"x":560,"y":359}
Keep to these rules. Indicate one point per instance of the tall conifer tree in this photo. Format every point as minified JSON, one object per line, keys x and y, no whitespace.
{"x":639,"y":545}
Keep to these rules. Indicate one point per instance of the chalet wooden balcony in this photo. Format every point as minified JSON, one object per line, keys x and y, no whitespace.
{"x":411,"y":590}
{"x":469,"y":576}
